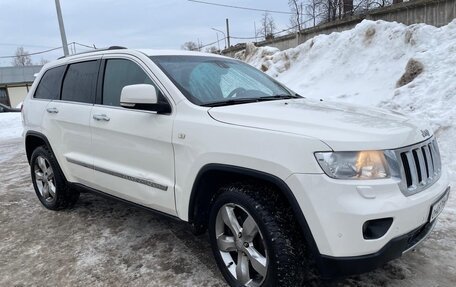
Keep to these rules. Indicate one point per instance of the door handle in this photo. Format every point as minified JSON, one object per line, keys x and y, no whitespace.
{"x":52,"y":110}
{"x":101,"y":117}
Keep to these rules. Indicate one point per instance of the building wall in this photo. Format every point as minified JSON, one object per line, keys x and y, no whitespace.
{"x":17,"y":94}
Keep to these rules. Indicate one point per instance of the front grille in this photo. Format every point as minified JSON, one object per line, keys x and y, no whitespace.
{"x":420,"y":166}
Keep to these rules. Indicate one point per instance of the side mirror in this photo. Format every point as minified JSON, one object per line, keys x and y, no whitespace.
{"x":142,"y":97}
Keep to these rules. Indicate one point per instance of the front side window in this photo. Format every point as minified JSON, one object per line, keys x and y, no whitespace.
{"x":49,"y":86}
{"x":211,"y":80}
{"x":80,"y":82}
{"x":120,"y":73}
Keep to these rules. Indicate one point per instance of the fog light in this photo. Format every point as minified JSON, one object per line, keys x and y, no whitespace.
{"x":374,"y":229}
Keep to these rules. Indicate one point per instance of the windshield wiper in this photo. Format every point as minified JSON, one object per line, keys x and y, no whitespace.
{"x":251,"y":100}
{"x":231,"y":102}
{"x":279,"y":97}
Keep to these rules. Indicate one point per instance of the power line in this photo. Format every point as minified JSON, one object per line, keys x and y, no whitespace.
{"x":83,"y":45}
{"x":204,"y":46}
{"x":47,"y":51}
{"x":273,"y":34}
{"x":25,"y":45}
{"x":243,"y":8}
{"x":32,"y":54}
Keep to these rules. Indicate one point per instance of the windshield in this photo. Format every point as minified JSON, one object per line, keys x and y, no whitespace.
{"x":212,"y":81}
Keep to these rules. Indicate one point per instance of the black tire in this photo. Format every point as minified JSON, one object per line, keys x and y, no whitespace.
{"x":63,"y":197}
{"x":282,"y":240}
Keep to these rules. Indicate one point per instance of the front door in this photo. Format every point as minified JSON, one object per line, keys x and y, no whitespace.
{"x":133,"y":156}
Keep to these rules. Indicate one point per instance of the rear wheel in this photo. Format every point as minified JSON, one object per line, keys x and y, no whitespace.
{"x":49,"y":183}
{"x":254,"y":238}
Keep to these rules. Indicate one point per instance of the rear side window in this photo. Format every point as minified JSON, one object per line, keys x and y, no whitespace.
{"x":80,"y":82}
{"x":120,"y":73}
{"x":49,"y":86}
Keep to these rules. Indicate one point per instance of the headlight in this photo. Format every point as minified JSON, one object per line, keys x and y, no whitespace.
{"x":359,"y":164}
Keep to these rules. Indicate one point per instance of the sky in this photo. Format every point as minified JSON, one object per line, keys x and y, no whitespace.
{"x":157,"y":24}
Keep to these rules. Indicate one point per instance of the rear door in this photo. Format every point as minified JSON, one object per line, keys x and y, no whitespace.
{"x":47,"y":90}
{"x":69,"y":121}
{"x":132,"y":149}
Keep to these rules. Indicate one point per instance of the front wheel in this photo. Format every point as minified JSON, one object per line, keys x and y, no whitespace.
{"x":254,"y":239}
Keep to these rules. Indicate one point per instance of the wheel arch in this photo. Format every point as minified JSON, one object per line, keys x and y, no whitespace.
{"x":33,"y":140}
{"x":211,"y":176}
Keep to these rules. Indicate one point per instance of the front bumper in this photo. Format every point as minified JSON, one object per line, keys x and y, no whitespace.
{"x":335,"y":211}
{"x":333,"y":267}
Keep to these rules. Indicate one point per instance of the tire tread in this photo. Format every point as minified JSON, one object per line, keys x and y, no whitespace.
{"x":66,"y":197}
{"x":288,"y":244}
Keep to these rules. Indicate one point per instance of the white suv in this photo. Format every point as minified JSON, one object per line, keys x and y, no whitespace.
{"x":273,"y":176}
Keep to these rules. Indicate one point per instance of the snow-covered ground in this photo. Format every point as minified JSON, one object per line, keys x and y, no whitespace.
{"x":10,"y":126}
{"x":106,"y":243}
{"x":10,"y":129}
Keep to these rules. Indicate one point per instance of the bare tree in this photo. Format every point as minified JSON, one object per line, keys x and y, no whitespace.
{"x":191,"y":46}
{"x":364,"y":6}
{"x":296,"y":7}
{"x":326,"y":10}
{"x":43,"y":61}
{"x":347,"y":7}
{"x":336,"y":9}
{"x":267,"y":27}
{"x":22,"y":58}
{"x":313,"y":10}
{"x":331,"y":10}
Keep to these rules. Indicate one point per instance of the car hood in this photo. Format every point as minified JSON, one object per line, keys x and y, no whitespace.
{"x":341,"y":126}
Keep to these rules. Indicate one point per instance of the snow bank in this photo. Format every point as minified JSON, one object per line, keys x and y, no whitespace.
{"x":363,"y":66}
{"x":10,"y":126}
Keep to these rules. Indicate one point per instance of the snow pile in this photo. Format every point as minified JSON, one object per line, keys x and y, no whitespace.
{"x":364,"y":66}
{"x":10,"y":126}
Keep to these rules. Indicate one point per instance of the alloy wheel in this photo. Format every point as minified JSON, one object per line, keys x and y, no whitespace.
{"x":44,"y":179}
{"x":241,"y":245}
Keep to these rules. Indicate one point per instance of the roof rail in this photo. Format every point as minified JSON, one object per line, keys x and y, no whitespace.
{"x":97,"y":50}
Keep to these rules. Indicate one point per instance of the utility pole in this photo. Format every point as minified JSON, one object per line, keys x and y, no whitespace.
{"x":228,"y":32}
{"x":62,"y":28}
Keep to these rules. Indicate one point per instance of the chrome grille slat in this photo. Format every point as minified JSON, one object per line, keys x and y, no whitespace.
{"x":429,"y":161}
{"x":420,"y":166}
{"x":413,"y":171}
{"x":427,"y":157}
{"x":433,"y":153}
{"x":437,"y":155}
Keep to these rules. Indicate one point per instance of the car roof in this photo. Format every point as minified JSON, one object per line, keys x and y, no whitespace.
{"x":121,"y":50}
{"x":153,"y":52}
